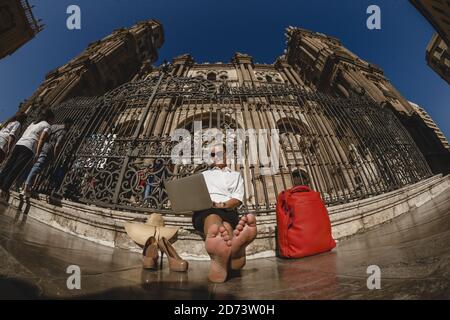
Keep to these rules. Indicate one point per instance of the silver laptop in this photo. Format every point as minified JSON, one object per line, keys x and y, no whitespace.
{"x":188,"y":194}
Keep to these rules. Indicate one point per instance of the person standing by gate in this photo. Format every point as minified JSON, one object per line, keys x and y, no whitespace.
{"x":50,"y":152}
{"x":9,"y":133}
{"x":26,"y":149}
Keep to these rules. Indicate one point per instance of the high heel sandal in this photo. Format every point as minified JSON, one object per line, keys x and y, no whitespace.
{"x":150,"y":254}
{"x":175,"y":261}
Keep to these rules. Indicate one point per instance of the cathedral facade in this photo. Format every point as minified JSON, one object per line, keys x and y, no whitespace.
{"x":340,"y":122}
{"x":102,"y":66}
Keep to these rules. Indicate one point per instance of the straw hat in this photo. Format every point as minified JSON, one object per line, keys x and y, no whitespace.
{"x":140,"y":232}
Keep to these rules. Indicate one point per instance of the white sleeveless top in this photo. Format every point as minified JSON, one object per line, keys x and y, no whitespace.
{"x":32,"y":134}
{"x":11,"y":129}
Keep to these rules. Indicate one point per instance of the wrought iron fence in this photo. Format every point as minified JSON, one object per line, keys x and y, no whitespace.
{"x":119,"y":151}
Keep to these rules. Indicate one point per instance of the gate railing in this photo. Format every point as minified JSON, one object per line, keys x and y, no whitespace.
{"x":118,"y":153}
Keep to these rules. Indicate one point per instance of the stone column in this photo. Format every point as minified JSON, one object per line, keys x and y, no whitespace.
{"x":296,"y":76}
{"x":243,"y":60}
{"x":369,"y":87}
{"x":289,"y":76}
{"x":251,"y":72}
{"x":283,"y":75}
{"x":342,"y":90}
{"x":183,"y":62}
{"x":239,"y":74}
{"x":283,"y":67}
{"x":244,"y":73}
{"x":180,"y":69}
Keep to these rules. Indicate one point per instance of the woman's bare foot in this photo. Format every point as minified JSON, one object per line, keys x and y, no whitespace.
{"x":218,"y":246}
{"x":243,"y":235}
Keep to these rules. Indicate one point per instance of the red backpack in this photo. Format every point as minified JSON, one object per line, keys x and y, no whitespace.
{"x":304,"y":227}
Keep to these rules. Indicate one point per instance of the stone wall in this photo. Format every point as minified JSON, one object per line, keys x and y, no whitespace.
{"x":105,"y":226}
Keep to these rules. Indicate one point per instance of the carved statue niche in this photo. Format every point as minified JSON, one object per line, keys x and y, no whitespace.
{"x":348,"y":84}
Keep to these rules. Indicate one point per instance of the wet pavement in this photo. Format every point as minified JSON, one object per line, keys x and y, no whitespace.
{"x":412,"y":251}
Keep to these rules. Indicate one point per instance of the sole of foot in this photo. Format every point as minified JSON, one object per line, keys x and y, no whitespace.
{"x":218,"y":246}
{"x":243,"y":235}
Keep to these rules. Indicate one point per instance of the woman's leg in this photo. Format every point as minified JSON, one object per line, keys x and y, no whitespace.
{"x":218,"y":246}
{"x":23,"y":175}
{"x":36,"y":169}
{"x":2,"y":156}
{"x":217,"y":220}
{"x":7,"y":168}
{"x":19,"y":159}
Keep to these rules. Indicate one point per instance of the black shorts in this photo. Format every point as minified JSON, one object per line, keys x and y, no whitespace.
{"x":230,"y":216}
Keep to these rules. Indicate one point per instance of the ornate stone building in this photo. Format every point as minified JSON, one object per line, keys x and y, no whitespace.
{"x":333,"y":137}
{"x":329,"y":109}
{"x":437,"y":12}
{"x":326,"y":65}
{"x":438,"y":57}
{"x":17,"y":25}
{"x":311,"y":95}
{"x":431,"y":124}
{"x":104,"y":65}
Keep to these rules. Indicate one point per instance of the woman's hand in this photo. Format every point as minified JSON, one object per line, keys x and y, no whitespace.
{"x":230,"y":204}
{"x":220,"y":205}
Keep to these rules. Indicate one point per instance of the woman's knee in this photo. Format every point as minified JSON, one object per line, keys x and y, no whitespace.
{"x":211,"y":220}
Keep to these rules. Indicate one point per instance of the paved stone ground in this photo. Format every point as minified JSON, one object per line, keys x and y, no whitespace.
{"x":412,"y":251}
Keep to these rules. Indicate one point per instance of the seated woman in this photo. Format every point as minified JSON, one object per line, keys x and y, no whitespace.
{"x":226,"y":236}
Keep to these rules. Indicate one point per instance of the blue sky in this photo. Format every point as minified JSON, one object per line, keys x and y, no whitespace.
{"x":213,"y":30}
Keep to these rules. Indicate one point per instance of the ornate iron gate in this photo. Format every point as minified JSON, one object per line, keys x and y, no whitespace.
{"x":119,"y":152}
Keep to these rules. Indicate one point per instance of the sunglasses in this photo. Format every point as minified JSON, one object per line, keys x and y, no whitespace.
{"x":214,"y":154}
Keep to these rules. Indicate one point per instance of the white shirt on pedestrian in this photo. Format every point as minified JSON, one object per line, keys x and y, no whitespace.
{"x":32,"y":135}
{"x":224,"y":184}
{"x":11,"y":129}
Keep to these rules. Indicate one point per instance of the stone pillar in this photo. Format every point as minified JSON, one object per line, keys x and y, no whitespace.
{"x":243,"y":61}
{"x":296,"y":76}
{"x":183,"y":63}
{"x":342,"y":90}
{"x":244,"y":73}
{"x":251,"y":72}
{"x":283,"y":67}
{"x":368,"y":85}
{"x":179,"y":70}
{"x":283,"y":75}
{"x":289,"y":76}
{"x":239,"y":74}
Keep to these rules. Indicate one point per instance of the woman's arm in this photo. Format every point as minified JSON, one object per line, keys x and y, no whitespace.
{"x":59,"y":144}
{"x":230,"y":204}
{"x":10,"y":143}
{"x":57,"y":150}
{"x":42,"y":139}
{"x":14,"y":131}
